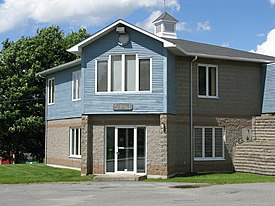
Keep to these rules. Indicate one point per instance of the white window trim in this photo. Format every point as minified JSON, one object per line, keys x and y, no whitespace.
{"x":79,"y":143}
{"x":50,"y":93}
{"x":78,"y":88}
{"x":135,"y":127}
{"x":207,"y":80}
{"x":109,"y":92}
{"x":203,"y":158}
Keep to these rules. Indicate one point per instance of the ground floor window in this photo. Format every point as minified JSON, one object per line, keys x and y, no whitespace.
{"x":75,"y":136}
{"x":125,"y":149}
{"x":209,"y":143}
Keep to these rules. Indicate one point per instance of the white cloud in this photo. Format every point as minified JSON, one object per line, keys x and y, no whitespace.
{"x":15,"y":13}
{"x":267,"y":47}
{"x":272,"y":2}
{"x":204,"y":26}
{"x":182,"y":26}
{"x":147,"y":23}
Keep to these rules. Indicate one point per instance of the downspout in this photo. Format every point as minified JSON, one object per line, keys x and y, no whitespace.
{"x":191,"y":113}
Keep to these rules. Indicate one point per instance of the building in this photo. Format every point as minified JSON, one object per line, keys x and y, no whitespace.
{"x":143,"y":103}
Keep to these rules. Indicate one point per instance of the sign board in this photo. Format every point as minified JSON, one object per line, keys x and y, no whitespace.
{"x":122,"y":107}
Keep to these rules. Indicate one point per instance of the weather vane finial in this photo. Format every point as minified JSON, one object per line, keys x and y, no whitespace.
{"x":164,"y":5}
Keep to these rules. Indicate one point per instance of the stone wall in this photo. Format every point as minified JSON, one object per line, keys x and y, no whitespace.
{"x":58,"y":142}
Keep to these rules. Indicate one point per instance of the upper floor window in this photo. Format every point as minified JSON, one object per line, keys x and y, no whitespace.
{"x":123,"y":73}
{"x":207,"y":81}
{"x":209,"y":143}
{"x":51,"y":96}
{"x":76,"y":83}
{"x":75,"y":140}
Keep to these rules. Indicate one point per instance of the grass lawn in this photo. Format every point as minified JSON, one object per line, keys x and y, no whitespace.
{"x":38,"y":173}
{"x":222,"y":178}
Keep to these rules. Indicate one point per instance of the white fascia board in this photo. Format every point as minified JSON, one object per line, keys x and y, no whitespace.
{"x":78,"y":47}
{"x":60,"y":67}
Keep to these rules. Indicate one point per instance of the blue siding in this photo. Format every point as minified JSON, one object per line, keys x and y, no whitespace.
{"x":64,"y":107}
{"x":171,"y":84}
{"x":269,"y":90}
{"x":144,"y":46}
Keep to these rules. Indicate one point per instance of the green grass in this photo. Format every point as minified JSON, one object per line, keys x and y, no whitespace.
{"x":38,"y":173}
{"x":221,"y":178}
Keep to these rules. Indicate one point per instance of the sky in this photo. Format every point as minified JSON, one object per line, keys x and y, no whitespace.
{"x":247,"y":25}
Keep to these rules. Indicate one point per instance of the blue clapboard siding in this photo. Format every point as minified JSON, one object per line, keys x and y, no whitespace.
{"x":269,"y":90}
{"x":171,"y":84}
{"x":144,"y":46}
{"x":64,"y":107}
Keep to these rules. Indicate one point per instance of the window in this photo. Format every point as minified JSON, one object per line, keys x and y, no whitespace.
{"x":51,"y":96}
{"x":169,"y":27}
{"x":75,"y":135}
{"x":208,"y":81}
{"x":209,"y":143}
{"x":76,"y":82}
{"x":123,"y":73}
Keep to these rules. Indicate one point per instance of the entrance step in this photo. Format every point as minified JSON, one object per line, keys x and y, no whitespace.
{"x":119,"y":177}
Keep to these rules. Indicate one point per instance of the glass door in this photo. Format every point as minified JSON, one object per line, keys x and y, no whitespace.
{"x":125,"y":149}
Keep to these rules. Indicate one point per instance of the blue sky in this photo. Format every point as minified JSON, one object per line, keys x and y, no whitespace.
{"x":242,"y":24}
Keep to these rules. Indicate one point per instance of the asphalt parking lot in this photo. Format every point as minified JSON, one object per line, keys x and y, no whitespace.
{"x":136,"y":193}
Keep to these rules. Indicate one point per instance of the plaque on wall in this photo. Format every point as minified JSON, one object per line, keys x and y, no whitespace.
{"x":122,"y":107}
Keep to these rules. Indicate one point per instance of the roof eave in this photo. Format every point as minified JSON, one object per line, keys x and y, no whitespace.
{"x":60,"y":68}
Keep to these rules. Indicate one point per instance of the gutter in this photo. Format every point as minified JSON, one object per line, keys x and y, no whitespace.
{"x":191,"y":114}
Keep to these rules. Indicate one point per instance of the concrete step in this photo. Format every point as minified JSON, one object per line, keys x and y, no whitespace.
{"x":119,"y":177}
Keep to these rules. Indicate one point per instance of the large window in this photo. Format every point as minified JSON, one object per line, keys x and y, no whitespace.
{"x":123,"y":73}
{"x":75,"y":140}
{"x":51,"y":96}
{"x":209,"y":143}
{"x":208,"y":81}
{"x":76,"y":82}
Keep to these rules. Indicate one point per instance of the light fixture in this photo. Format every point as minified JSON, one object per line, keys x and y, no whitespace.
{"x":121,"y":30}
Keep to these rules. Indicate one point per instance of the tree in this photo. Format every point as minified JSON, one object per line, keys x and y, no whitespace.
{"x":22,"y":94}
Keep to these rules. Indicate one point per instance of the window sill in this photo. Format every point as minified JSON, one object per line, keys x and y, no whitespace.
{"x":209,"y":159}
{"x":76,"y":100}
{"x":126,"y":93}
{"x":208,"y":97}
{"x":49,"y":104}
{"x":75,"y":156}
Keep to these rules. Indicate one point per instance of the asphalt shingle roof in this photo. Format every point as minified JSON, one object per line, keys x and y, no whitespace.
{"x":167,"y":17}
{"x":201,"y":49}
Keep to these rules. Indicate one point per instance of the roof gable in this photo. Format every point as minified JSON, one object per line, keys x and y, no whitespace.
{"x":77,"y":49}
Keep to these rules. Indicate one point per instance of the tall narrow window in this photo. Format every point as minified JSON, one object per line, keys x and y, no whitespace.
{"x":75,"y":140}
{"x":144,"y":75}
{"x":130,"y":73}
{"x":76,"y":82}
{"x":51,"y":96}
{"x":209,"y":143}
{"x":207,"y":81}
{"x":102,"y":76}
{"x":116,"y":73}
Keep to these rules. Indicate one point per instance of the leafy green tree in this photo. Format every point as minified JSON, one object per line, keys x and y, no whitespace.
{"x":22,"y":93}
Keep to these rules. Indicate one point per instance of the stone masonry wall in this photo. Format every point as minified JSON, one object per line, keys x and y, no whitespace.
{"x":58,"y":142}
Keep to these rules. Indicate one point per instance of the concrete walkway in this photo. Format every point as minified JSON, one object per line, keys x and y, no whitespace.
{"x":126,"y":193}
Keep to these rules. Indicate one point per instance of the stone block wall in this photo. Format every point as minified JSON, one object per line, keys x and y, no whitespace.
{"x":58,"y":142}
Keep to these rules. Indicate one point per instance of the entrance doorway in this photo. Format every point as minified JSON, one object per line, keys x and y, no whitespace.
{"x":125,"y":149}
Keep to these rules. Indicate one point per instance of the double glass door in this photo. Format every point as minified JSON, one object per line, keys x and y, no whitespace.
{"x":125,"y":149}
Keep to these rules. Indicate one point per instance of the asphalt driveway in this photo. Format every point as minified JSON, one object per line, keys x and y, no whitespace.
{"x":136,"y":193}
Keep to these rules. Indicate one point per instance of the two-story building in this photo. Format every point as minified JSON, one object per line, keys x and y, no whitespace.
{"x":143,"y":103}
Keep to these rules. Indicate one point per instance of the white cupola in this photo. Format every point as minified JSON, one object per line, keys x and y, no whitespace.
{"x":165,"y":26}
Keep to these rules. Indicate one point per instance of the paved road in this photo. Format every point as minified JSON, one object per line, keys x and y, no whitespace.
{"x":135,"y":193}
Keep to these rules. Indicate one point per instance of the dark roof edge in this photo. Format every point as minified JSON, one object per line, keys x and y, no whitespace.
{"x":60,"y":67}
